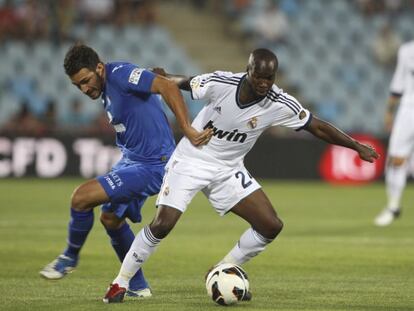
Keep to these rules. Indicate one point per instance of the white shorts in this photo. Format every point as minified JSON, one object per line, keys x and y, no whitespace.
{"x":224,"y":187}
{"x":402,"y":136}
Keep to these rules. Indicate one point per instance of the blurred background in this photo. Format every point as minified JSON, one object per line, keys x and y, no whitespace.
{"x":336,"y":57}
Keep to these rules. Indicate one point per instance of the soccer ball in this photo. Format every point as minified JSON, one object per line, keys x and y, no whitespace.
{"x":227,"y":284}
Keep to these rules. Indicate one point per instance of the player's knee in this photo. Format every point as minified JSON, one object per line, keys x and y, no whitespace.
{"x":273,"y":227}
{"x":110,"y":221}
{"x":160,"y":227}
{"x":396,"y":161}
{"x":79,"y":200}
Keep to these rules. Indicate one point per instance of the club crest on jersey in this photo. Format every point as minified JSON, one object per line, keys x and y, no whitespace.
{"x":234,"y":135}
{"x":252,"y":123}
{"x":135,"y":75}
{"x":166,"y":191}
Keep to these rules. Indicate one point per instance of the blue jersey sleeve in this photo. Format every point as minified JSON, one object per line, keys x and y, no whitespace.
{"x":133,"y":79}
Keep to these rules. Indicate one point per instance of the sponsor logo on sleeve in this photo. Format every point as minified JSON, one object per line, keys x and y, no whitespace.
{"x":195,"y":83}
{"x":135,"y":75}
{"x":302,"y":115}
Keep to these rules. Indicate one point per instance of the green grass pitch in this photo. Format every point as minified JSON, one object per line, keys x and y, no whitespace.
{"x":328,"y":257}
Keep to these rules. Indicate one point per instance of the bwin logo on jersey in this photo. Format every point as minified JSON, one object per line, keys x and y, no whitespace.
{"x":229,"y":136}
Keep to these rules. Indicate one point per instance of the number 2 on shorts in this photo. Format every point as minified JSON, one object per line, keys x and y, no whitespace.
{"x":243,"y":179}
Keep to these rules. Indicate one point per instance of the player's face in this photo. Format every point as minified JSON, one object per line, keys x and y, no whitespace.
{"x":90,"y":82}
{"x":261,"y":78}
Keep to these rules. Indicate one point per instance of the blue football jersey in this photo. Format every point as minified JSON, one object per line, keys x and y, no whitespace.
{"x":142,"y":130}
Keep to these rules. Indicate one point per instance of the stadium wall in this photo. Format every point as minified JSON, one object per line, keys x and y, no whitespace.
{"x":276,"y":158}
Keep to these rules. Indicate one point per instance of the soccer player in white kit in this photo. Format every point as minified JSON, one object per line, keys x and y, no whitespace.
{"x":402,"y":135}
{"x":240,"y":107}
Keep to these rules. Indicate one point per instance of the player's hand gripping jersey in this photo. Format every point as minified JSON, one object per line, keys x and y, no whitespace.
{"x":236,"y":127}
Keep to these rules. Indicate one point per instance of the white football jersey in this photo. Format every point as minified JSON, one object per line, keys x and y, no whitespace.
{"x":236,"y":127}
{"x":403,"y":80}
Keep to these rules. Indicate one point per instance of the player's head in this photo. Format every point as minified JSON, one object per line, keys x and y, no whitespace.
{"x":85,"y":70}
{"x":261,"y":70}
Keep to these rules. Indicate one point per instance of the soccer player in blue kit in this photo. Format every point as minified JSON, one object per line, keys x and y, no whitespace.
{"x":146,"y":140}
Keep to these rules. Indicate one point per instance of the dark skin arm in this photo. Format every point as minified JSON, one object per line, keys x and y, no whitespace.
{"x":333,"y":135}
{"x":174,"y":99}
{"x":183,"y":82}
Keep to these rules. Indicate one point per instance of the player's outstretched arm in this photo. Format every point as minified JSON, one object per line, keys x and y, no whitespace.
{"x":183,"y":82}
{"x":333,"y":135}
{"x":174,"y":99}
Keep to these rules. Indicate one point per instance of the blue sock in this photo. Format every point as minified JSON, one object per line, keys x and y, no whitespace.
{"x":79,"y":227}
{"x":121,"y":240}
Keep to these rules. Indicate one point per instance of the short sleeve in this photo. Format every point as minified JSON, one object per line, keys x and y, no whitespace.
{"x":133,"y":79}
{"x":201,"y":86}
{"x":397,"y":82}
{"x":291,"y":114}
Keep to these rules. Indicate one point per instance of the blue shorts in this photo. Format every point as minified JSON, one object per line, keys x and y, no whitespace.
{"x":128,"y":185}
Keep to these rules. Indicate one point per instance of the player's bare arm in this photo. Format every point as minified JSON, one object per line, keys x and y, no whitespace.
{"x":333,"y":135}
{"x":183,"y":82}
{"x":172,"y":96}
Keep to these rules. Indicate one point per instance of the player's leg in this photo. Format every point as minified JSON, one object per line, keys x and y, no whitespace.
{"x":133,"y":183}
{"x":257,"y":210}
{"x":145,"y":244}
{"x":171,"y":204}
{"x":237,"y":191}
{"x":118,"y":231}
{"x":84,"y":198}
{"x":395,"y":182}
{"x":240,"y":193}
{"x":121,"y":237}
{"x":400,"y":147}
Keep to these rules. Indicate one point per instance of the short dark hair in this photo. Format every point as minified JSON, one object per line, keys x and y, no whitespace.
{"x":80,"y":56}
{"x":263,"y":55}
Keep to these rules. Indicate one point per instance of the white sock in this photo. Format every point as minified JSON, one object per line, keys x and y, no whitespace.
{"x":395,"y":180}
{"x":143,"y":246}
{"x":251,"y":243}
